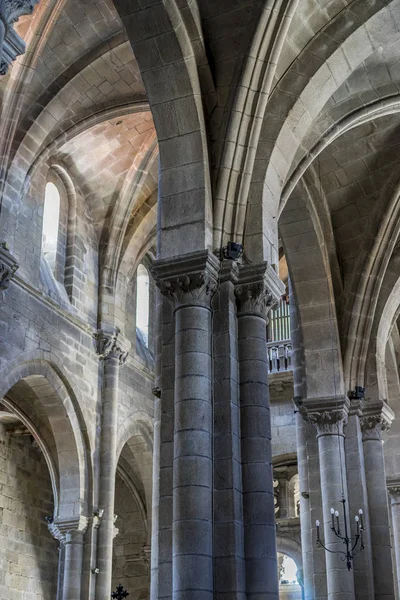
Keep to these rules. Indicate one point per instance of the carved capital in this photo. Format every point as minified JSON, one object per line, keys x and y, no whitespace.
{"x":8,"y":266}
{"x":376,"y":417}
{"x":393,"y":487}
{"x":12,"y":45}
{"x":111,"y":344}
{"x":190,"y":280}
{"x":12,"y":10}
{"x":61,"y":528}
{"x":258,"y":289}
{"x":328,"y":415}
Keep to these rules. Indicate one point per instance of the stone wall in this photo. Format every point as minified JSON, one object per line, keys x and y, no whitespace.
{"x":28,"y":553}
{"x":282,"y":413}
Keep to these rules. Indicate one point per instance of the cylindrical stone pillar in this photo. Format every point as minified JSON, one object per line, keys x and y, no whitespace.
{"x":192,"y":499}
{"x":191,"y":282}
{"x":113,"y":355}
{"x":377,"y":417}
{"x":255,"y":294}
{"x":329,"y":424}
{"x":73,"y":549}
{"x":394,"y":494}
{"x":156,"y":453}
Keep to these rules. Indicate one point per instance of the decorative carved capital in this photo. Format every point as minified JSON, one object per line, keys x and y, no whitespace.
{"x":393,"y":487}
{"x":60,"y":528}
{"x":376,"y":417}
{"x":190,"y":280}
{"x":258,"y":289}
{"x":8,"y":266}
{"x":111,"y":344}
{"x":328,"y":415}
{"x":330,"y":422}
{"x":13,"y":45}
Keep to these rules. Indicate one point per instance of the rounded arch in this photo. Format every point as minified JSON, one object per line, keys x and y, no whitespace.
{"x":34,"y":387}
{"x":291,"y":548}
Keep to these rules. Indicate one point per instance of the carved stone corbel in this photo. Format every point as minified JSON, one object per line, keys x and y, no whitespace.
{"x":111,"y":344}
{"x":8,"y":266}
{"x":11,"y":44}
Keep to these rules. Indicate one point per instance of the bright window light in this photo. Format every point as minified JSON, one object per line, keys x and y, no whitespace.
{"x":142,"y":302}
{"x":51,"y":218}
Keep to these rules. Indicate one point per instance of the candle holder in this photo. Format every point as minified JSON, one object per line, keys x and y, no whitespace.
{"x":350,"y":541}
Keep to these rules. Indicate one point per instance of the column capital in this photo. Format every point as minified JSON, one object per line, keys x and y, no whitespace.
{"x":112,"y":344}
{"x":258,"y":289}
{"x":12,"y":44}
{"x":188,"y":280}
{"x":60,"y":528}
{"x":12,"y":10}
{"x":376,"y":417}
{"x":8,"y":266}
{"x":328,"y":415}
{"x":393,"y":487}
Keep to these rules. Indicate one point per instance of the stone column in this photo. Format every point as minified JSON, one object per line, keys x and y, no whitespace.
{"x":376,"y":417}
{"x":394,"y":495}
{"x":329,"y":416}
{"x":258,"y":289}
{"x":191,"y":281}
{"x":112,"y":349}
{"x":70,"y":532}
{"x":229,"y":568}
{"x":358,"y":498}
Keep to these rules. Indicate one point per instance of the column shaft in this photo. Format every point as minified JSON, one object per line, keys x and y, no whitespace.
{"x":108,"y":449}
{"x":192,"y":494}
{"x":357,"y":490}
{"x":229,"y":568}
{"x":378,"y":506}
{"x":394,"y":492}
{"x":73,"y":550}
{"x":258,"y":496}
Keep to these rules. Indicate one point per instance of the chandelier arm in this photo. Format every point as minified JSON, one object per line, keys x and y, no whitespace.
{"x":355,"y":543}
{"x":332,"y":551}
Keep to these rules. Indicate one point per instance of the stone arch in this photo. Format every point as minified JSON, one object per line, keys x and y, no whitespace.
{"x":312,"y":267}
{"x":291,"y":548}
{"x":287,"y":130}
{"x":174,"y":88}
{"x":34,"y":387}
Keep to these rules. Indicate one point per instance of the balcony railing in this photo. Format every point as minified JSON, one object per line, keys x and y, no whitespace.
{"x":280,"y":356}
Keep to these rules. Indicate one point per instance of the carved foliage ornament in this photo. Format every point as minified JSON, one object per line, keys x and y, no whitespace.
{"x":193,"y":288}
{"x":329,"y":422}
{"x":12,"y":10}
{"x":373,"y":425}
{"x":254,"y":298}
{"x":108,"y":346}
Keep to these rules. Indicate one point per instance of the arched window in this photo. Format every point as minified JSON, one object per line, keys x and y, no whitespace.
{"x":51,"y":221}
{"x":142,"y":302}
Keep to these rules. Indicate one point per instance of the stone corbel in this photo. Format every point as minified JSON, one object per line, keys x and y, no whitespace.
{"x":11,"y":44}
{"x":188,"y":280}
{"x":393,"y":487}
{"x":258,"y":289}
{"x":328,"y":415}
{"x":111,"y":344}
{"x":376,"y":417}
{"x":8,"y":266}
